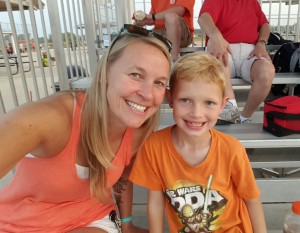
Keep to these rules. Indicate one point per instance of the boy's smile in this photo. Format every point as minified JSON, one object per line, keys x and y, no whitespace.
{"x":196,"y":105}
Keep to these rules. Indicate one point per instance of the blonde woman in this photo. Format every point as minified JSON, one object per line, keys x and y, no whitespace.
{"x":70,"y":148}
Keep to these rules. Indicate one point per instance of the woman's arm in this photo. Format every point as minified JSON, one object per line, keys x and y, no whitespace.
{"x":33,"y":128}
{"x":156,"y":210}
{"x":256,"y":214}
{"x":123,"y":195}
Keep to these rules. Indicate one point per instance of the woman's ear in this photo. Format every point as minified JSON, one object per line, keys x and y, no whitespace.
{"x":169,"y":97}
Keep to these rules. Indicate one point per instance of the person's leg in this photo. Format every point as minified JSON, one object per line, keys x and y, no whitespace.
{"x":175,"y":30}
{"x":262,"y":74}
{"x":230,"y":113}
{"x":186,"y":36}
{"x":229,"y":72}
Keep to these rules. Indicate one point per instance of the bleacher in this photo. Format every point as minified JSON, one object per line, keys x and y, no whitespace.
{"x":291,"y":79}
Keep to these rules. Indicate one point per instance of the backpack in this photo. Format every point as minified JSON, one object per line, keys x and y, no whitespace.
{"x":286,"y":59}
{"x":276,"y":39}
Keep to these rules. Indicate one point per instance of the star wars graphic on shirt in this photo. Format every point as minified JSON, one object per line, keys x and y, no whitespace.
{"x":188,"y":199}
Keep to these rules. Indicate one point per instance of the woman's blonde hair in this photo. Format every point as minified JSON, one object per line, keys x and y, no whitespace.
{"x":199,"y":65}
{"x":94,"y":130}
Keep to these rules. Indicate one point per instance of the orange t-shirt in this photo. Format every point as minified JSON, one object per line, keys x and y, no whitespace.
{"x":159,"y":166}
{"x":162,"y":5}
{"x":46,"y":194}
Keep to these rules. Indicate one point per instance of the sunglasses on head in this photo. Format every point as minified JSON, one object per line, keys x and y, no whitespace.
{"x":140,"y":31}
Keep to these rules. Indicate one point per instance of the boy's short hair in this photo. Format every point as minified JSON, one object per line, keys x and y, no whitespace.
{"x":199,"y":65}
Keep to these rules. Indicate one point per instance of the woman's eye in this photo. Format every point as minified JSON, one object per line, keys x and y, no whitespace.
{"x":160,"y":83}
{"x":136,"y":75}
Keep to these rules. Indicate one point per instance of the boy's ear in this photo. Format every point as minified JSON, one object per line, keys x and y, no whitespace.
{"x":225,"y":100}
{"x":169,"y":98}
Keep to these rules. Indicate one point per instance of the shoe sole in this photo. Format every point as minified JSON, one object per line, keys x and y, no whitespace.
{"x":223,"y":122}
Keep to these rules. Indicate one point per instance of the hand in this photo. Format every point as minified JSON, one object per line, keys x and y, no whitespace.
{"x":130,"y":228}
{"x":146,"y":21}
{"x":260,"y":51}
{"x":219,"y":48}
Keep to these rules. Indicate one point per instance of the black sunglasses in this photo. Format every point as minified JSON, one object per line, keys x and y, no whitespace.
{"x":140,"y":31}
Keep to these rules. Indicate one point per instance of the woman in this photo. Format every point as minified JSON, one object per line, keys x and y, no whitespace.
{"x":71,"y":148}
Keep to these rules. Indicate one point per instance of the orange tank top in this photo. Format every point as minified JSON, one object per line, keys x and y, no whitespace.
{"x":46,"y":194}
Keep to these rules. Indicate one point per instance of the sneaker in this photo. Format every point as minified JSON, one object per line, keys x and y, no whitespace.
{"x":247,"y":121}
{"x":229,"y":115}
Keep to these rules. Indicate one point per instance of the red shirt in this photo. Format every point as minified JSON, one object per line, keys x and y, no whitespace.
{"x":239,"y":21}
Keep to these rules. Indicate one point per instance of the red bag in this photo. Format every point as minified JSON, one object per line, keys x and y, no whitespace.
{"x":282,"y":116}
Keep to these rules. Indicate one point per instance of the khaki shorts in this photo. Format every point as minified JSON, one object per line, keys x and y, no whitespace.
{"x":240,"y":66}
{"x":186,"y":37}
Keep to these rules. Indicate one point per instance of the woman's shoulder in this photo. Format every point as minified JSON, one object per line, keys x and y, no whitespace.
{"x":58,"y":104}
{"x":46,"y":123}
{"x":59,"y":101}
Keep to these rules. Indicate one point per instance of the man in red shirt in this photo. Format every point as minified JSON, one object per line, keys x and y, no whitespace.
{"x":238,"y":32}
{"x":174,"y":20}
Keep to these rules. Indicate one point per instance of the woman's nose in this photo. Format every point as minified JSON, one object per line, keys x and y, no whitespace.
{"x":146,"y":90}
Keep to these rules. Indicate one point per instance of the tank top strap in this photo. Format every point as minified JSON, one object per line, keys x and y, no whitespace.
{"x":79,"y":98}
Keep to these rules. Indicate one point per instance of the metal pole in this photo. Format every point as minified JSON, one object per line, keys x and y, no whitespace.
{"x":58,"y":44}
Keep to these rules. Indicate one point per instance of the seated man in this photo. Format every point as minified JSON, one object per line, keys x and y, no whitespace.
{"x":238,"y":32}
{"x":174,"y":20}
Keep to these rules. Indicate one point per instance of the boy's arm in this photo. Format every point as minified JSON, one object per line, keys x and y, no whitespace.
{"x":256,"y":214}
{"x":156,"y":207}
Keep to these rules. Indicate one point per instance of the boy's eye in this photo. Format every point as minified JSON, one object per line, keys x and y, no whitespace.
{"x":210,"y":103}
{"x":185,"y":100}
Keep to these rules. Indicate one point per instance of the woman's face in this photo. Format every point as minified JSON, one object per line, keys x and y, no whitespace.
{"x":136,"y":85}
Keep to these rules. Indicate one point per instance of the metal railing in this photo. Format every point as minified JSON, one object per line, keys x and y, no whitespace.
{"x":74,"y":33}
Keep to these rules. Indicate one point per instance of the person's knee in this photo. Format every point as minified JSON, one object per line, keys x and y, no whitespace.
{"x":262,"y":73}
{"x":172,"y":19}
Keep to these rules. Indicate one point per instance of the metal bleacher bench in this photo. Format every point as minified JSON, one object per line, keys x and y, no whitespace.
{"x":291,"y":79}
{"x":268,"y":151}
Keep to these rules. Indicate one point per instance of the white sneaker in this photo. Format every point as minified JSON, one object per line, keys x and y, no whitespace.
{"x":247,"y":121}
{"x":229,"y":115}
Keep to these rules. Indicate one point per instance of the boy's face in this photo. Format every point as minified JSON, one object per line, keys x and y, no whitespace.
{"x":196,"y":106}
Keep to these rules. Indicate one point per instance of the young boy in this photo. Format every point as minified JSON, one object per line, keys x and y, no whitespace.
{"x":201,"y":175}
